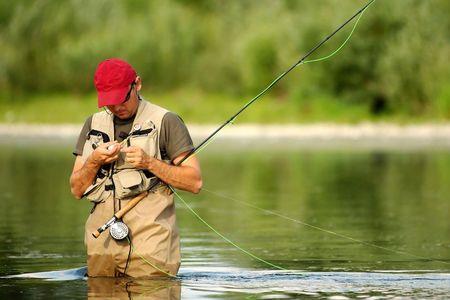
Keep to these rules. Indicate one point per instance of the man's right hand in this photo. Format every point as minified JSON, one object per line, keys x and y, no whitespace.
{"x":84,"y":172}
{"x":106,"y":153}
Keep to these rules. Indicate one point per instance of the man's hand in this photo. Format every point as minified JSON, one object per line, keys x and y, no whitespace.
{"x":187,"y":176}
{"x":136,"y":157}
{"x":84,"y":172}
{"x":105,"y":153}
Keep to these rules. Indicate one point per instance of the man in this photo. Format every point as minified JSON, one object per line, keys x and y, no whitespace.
{"x":119,"y":154}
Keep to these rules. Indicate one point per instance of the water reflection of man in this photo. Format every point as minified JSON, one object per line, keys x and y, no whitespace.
{"x":118,"y":154}
{"x":121,"y":288}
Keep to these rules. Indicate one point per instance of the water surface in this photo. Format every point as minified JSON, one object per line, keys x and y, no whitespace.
{"x":392,"y":197}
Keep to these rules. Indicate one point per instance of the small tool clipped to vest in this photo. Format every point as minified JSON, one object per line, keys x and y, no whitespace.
{"x":119,"y":230}
{"x":136,"y":127}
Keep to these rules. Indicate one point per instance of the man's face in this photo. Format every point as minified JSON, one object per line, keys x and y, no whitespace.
{"x":129,"y":106}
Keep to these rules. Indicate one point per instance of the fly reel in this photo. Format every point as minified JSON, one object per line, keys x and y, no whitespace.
{"x":119,"y":231}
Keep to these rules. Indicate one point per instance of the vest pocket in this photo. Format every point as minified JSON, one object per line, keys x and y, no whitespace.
{"x":94,"y":138}
{"x":147,"y":142}
{"x":96,"y":192}
{"x":129,"y":182}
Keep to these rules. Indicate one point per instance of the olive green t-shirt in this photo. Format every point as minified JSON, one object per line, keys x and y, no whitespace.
{"x":174,"y":137}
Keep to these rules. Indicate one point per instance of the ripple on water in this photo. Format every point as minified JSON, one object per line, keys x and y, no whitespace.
{"x":279,"y":285}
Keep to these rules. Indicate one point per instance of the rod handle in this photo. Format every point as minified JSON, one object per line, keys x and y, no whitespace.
{"x":132,"y":203}
{"x":111,"y":221}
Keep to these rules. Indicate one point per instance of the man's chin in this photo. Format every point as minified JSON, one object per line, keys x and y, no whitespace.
{"x":123,"y":116}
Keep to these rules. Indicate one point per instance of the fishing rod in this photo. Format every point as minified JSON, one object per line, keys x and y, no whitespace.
{"x":123,"y":231}
{"x":299,"y":62}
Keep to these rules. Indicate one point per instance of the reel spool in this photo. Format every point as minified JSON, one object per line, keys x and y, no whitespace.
{"x":118,"y":231}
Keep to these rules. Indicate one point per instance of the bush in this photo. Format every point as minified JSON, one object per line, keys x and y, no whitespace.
{"x":396,"y":62}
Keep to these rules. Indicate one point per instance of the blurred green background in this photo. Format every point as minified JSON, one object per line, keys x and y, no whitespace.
{"x":203,"y":59}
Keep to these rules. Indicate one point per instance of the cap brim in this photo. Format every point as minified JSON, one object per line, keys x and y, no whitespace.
{"x":113,"y":97}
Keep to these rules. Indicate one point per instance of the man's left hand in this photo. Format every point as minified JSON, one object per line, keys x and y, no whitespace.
{"x":136,"y":157}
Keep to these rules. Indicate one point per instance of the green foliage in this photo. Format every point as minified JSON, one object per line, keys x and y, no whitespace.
{"x":415,"y":66}
{"x":396,"y":62}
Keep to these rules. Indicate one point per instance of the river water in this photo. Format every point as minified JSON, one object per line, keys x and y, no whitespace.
{"x":343,"y":221}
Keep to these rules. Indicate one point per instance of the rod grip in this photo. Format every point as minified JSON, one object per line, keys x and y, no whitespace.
{"x":96,"y":234}
{"x":132,"y":203}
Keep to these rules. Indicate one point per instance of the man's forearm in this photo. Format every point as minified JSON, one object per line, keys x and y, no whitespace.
{"x":182,"y":177}
{"x":83,"y":178}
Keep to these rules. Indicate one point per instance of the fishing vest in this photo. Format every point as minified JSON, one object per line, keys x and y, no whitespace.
{"x":121,"y":179}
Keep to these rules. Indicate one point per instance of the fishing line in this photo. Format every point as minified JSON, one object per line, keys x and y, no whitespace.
{"x":299,"y":62}
{"x":212,"y":136}
{"x":343,"y":44}
{"x":290,"y":219}
{"x":147,"y":261}
{"x":323,"y":229}
{"x":209,"y":139}
{"x":224,"y":237}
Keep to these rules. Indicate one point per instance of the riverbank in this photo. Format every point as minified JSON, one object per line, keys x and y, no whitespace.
{"x":320,"y":132}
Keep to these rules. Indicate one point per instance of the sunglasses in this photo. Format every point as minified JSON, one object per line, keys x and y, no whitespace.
{"x":129,"y":93}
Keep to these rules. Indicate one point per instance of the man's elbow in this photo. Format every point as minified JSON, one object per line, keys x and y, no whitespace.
{"x":77,"y":195}
{"x":75,"y":191}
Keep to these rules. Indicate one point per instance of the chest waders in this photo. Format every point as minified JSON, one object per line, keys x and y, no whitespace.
{"x":151,"y":223}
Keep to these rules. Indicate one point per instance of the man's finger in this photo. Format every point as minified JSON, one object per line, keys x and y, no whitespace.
{"x":108,"y":144}
{"x":129,"y":149}
{"x":111,"y":158}
{"x":133,"y":154}
{"x":130,"y":156}
{"x":102,"y":151}
{"x":112,"y":148}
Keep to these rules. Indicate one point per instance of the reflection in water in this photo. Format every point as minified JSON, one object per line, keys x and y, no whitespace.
{"x":123,"y":288}
{"x":112,"y":288}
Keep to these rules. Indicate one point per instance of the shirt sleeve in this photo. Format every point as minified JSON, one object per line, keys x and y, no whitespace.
{"x":82,"y":137}
{"x":174,"y":137}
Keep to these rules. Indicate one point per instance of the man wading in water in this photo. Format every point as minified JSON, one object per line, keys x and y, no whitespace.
{"x":119,"y":154}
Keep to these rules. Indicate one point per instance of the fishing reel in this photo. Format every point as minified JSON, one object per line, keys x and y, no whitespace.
{"x":119,"y":231}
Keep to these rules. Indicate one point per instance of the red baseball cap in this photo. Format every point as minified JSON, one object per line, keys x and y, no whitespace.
{"x":112,"y":80}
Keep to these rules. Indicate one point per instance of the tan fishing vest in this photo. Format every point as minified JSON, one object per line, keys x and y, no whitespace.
{"x":144,"y":133}
{"x":152,"y":221}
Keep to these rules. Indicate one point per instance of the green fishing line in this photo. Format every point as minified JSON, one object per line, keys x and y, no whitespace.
{"x":341,"y":46}
{"x":301,"y":62}
{"x":404,"y":253}
{"x":233,"y":119}
{"x":147,"y":261}
{"x":224,"y":237}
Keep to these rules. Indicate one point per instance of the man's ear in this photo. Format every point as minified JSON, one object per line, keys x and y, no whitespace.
{"x":138,"y":82}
